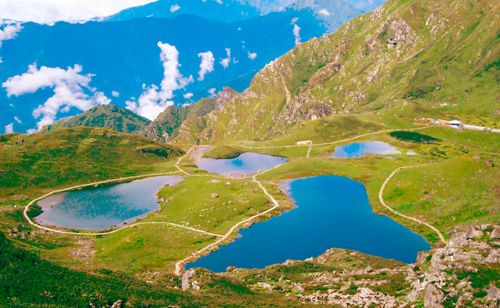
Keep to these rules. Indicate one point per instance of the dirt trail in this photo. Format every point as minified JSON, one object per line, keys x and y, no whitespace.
{"x":196,"y":152}
{"x":381,"y":199}
{"x":31,"y":222}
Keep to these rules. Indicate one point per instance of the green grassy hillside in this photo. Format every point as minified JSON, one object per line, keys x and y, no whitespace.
{"x":186,"y":121}
{"x":406,"y":59}
{"x":67,"y":156}
{"x":105,"y":116}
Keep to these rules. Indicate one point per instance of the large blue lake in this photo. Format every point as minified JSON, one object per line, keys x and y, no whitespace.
{"x":360,"y":149}
{"x":246,"y":163}
{"x":331,"y":211}
{"x":103,"y":207}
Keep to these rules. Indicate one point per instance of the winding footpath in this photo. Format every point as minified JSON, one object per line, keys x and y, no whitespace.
{"x":332,"y":142}
{"x":180,"y":265}
{"x":34,"y":224}
{"x":382,"y":201}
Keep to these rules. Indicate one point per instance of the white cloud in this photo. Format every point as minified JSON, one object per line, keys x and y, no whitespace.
{"x":155,"y":98}
{"x":9,"y":128}
{"x":17,"y":120}
{"x":206,"y":65}
{"x":252,"y":55}
{"x":296,"y":31}
{"x":174,"y":8}
{"x":71,"y":90}
{"x":225,"y":61}
{"x":9,"y":30}
{"x":296,"y":34}
{"x":51,"y":11}
{"x":324,"y":12}
{"x":115,"y":93}
{"x":212,"y":91}
{"x":188,"y":95}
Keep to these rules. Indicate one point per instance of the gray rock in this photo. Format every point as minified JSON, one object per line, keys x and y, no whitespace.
{"x":433,"y":297}
{"x":495,"y":233}
{"x":493,"y":293}
{"x":185,"y":279}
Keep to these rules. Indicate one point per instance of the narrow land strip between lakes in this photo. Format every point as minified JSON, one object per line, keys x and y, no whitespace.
{"x":179,"y":266}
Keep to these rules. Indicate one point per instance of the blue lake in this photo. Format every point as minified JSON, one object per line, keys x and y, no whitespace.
{"x":360,"y":149}
{"x":331,"y":211}
{"x":105,"y":206}
{"x":246,"y":163}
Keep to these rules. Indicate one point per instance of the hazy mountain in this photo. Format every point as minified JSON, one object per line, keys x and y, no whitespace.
{"x":227,"y":11}
{"x":123,"y":57}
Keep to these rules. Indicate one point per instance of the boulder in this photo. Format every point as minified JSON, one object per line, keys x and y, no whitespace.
{"x":185,"y":278}
{"x":493,"y":293}
{"x":433,"y":297}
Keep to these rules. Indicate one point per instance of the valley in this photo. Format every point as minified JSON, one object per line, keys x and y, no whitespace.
{"x":134,"y":248}
{"x":324,"y":177}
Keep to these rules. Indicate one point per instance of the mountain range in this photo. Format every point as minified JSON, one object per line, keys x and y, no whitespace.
{"x":405,"y":64}
{"x":122,"y":58}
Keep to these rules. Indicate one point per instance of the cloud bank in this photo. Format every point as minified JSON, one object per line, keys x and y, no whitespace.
{"x":51,"y":11}
{"x":71,"y":90}
{"x":155,"y":98}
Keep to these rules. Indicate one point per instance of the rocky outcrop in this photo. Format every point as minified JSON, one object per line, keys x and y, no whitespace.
{"x":433,"y":297}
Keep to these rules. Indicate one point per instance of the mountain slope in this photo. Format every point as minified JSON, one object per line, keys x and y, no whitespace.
{"x":105,"y":116}
{"x":411,"y":57}
{"x":177,"y":120}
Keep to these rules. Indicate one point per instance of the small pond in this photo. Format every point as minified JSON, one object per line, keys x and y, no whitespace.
{"x":102,"y":207}
{"x":360,"y":149}
{"x":246,"y":163}
{"x":331,"y":211}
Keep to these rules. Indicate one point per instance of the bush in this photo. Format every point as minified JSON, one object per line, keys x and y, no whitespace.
{"x":413,"y":137}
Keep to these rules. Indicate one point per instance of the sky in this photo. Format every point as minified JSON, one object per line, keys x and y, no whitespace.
{"x":50,"y":11}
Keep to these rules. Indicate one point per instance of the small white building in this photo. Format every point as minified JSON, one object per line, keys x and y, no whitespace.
{"x":304,"y":142}
{"x":455,"y":124}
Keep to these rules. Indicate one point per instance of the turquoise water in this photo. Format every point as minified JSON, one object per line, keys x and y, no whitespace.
{"x":360,"y":149}
{"x":103,"y":207}
{"x":246,"y":163}
{"x":331,"y":211}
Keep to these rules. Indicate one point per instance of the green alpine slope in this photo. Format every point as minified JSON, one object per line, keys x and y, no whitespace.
{"x":406,"y":59}
{"x":105,"y":116}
